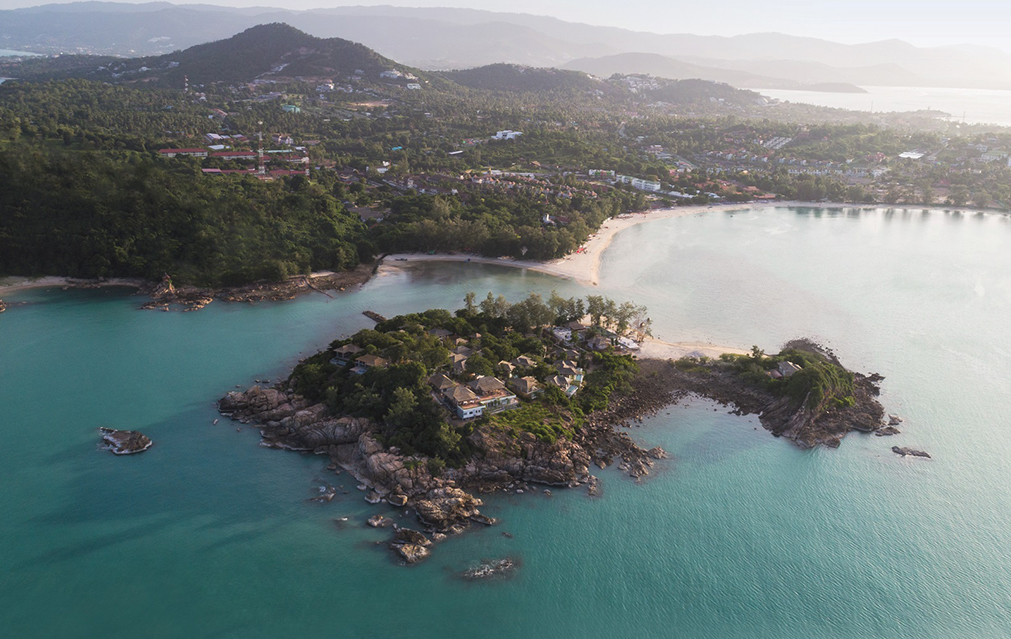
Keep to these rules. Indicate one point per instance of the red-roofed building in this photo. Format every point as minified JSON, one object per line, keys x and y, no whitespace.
{"x":235,"y":155}
{"x":292,"y":158}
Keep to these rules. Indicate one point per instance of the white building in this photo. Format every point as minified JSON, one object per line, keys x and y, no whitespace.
{"x":507,"y":135}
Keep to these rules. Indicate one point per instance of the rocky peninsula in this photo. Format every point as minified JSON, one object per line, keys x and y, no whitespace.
{"x":803,"y":394}
{"x":166,"y":295}
{"x":421,"y":416}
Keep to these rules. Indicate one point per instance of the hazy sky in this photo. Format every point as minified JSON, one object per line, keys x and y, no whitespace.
{"x":921,"y":22}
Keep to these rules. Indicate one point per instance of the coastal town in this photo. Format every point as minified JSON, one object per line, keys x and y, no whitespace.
{"x":735,"y":162}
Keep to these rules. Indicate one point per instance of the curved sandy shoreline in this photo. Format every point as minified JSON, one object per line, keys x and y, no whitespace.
{"x":584,"y":266}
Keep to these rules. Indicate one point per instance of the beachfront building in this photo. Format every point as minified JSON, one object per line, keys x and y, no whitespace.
{"x":440,"y":333}
{"x":628,"y":344}
{"x":458,"y":362}
{"x":524,"y":362}
{"x":464,"y":402}
{"x":367,"y":362}
{"x":345,"y":354}
{"x":786,"y":369}
{"x":440,"y":382}
{"x":562,"y":334}
{"x":493,"y":394}
{"x":505,"y":368}
{"x":526,"y":387}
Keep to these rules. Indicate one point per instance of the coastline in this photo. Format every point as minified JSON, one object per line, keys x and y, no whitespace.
{"x":584,"y":266}
{"x":14,"y":284}
{"x":319,"y":281}
{"x":655,"y":349}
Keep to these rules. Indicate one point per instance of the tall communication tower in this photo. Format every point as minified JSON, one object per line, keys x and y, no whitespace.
{"x":261,"y":168}
{"x":186,"y":84}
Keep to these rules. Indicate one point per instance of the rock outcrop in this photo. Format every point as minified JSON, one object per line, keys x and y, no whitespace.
{"x":663,"y":383}
{"x":909,"y":451}
{"x":411,"y":545}
{"x":445,"y":504}
{"x":125,"y":442}
{"x":165,"y":295}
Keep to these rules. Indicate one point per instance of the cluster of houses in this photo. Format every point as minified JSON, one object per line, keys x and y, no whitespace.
{"x":482,"y":396}
{"x":297,"y":156}
{"x":485,"y":394}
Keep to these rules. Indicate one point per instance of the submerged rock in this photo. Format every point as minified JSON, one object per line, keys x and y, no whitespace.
{"x":326,"y":494}
{"x":378,"y":521}
{"x":490,"y":568}
{"x":125,"y":442}
{"x":909,"y":451}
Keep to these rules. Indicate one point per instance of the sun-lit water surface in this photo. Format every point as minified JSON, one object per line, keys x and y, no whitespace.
{"x":974,"y":106}
{"x":738,"y":535}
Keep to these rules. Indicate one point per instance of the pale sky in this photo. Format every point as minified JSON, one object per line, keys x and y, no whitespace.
{"x":920,"y":22}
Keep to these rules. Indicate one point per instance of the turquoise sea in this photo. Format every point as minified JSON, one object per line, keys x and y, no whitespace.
{"x":739,"y":534}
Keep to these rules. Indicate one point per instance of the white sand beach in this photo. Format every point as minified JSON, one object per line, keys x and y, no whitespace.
{"x":659,"y":349}
{"x":583,"y":266}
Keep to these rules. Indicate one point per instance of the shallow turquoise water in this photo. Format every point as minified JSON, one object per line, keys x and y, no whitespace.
{"x":738,"y":535}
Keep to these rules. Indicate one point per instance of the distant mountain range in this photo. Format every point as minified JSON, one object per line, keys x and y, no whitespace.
{"x":283,"y":53}
{"x":463,"y":38}
{"x":270,"y":50}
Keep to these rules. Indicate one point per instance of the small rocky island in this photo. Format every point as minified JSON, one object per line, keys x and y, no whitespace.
{"x":125,"y":442}
{"x":429,"y":410}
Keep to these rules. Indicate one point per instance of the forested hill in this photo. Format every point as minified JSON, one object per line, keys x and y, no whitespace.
{"x":268,"y":50}
{"x":97,"y":215}
{"x":513,"y":77}
{"x":696,"y":91}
